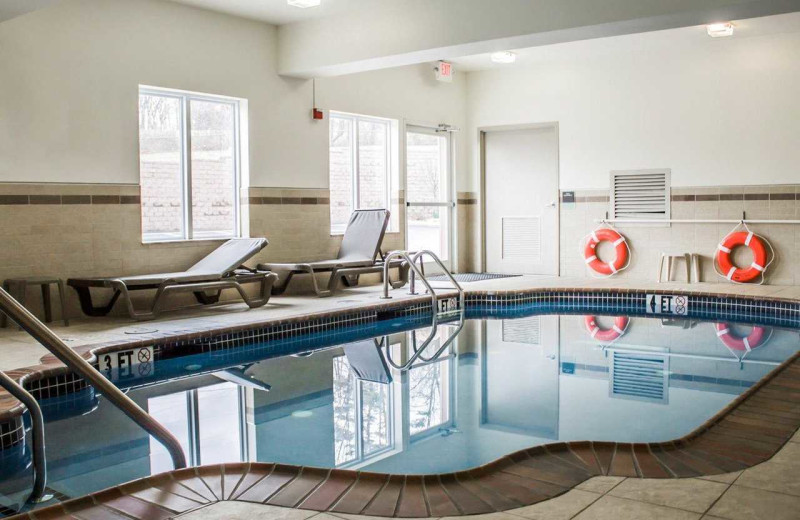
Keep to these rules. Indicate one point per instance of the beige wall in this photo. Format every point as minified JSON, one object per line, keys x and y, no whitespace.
{"x":69,"y":78}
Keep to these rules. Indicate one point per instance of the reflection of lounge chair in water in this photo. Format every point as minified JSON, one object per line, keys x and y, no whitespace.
{"x":367,"y":361}
{"x":239,"y":376}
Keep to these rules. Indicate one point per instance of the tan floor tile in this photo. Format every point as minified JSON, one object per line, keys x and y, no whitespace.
{"x":743,"y":503}
{"x":725,"y":478}
{"x":772,"y":476}
{"x":796,"y":437}
{"x":563,"y":507}
{"x":489,"y":516}
{"x":600,"y":484}
{"x":789,"y":454}
{"x":336,"y":516}
{"x":229,"y":510}
{"x":613,"y":508}
{"x":690,"y":494}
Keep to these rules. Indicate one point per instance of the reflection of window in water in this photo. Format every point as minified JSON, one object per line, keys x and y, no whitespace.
{"x":429,"y":385}
{"x":362,"y":412}
{"x":207,"y":421}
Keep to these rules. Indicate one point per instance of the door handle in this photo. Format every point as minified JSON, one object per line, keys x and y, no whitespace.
{"x":551,"y":205}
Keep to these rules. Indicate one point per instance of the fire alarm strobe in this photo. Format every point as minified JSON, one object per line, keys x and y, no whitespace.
{"x":444,"y":71}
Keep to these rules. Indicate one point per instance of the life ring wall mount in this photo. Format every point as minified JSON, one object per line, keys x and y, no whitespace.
{"x":622,"y":252}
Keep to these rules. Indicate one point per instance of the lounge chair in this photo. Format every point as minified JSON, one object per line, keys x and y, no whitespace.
{"x":221,"y":269}
{"x":360,"y":253}
{"x":367,"y":361}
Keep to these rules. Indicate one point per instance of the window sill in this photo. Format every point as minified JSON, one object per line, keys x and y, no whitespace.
{"x":186,"y":240}
{"x":342,"y":234}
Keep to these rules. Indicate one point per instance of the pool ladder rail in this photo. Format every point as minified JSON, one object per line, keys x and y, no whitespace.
{"x":49,"y":340}
{"x":412,"y":258}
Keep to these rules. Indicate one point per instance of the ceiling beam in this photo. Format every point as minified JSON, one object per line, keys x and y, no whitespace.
{"x":393,"y":33}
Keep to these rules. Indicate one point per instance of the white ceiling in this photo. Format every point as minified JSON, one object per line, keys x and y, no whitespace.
{"x":278,"y":12}
{"x":13,"y":8}
{"x":684,"y":37}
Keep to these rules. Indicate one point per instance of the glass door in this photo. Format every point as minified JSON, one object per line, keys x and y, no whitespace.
{"x":429,"y":199}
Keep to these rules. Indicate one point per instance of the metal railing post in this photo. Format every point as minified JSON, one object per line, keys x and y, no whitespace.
{"x":37,"y":425}
{"x":27,"y":321}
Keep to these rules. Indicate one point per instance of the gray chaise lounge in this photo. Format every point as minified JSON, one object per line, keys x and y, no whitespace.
{"x":220,"y":269}
{"x":359,"y":254}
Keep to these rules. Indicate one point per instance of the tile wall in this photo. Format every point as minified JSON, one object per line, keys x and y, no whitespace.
{"x":781,"y":202}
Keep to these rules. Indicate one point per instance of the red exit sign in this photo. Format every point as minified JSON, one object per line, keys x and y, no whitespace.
{"x":444,"y":71}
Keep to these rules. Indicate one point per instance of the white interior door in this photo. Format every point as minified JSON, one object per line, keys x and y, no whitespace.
{"x":520,"y":384}
{"x":429,"y":199}
{"x":521,"y":193}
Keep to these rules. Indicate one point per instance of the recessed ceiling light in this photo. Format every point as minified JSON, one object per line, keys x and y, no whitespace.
{"x":302,"y":4}
{"x":718,"y":30}
{"x":504,"y":57}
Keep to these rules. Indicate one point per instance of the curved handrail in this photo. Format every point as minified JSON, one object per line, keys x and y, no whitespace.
{"x":414,"y":268}
{"x":74,"y":361}
{"x":38,"y":494}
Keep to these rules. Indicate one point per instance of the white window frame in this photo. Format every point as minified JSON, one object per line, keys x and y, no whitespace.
{"x":186,"y":98}
{"x":361,"y":456}
{"x":391,"y":147}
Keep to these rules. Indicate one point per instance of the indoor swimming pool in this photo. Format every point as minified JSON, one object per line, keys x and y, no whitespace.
{"x":479,"y":390}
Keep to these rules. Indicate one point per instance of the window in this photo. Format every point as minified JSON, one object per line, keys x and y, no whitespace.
{"x":429,"y":385}
{"x":363,"y":158}
{"x":362,"y":415}
{"x":189,"y":165}
{"x":640,"y":194}
{"x":207,"y":421}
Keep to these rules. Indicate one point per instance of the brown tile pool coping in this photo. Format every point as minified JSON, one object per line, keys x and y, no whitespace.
{"x":750,"y":430}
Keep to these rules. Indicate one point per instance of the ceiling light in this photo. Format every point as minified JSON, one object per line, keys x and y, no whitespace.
{"x":302,"y":4}
{"x":504,"y":57}
{"x":718,"y":30}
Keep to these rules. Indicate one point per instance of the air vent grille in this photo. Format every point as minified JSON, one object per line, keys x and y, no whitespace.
{"x":639,"y":376}
{"x":642,"y":194}
{"x":522,"y":238}
{"x":523,"y":330}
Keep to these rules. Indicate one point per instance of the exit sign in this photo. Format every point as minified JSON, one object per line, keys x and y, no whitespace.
{"x":444,"y":71}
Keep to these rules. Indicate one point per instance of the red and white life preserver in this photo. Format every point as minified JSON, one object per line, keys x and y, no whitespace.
{"x":606,"y":335}
{"x":755,"y":339}
{"x":620,"y":247}
{"x":738,"y":274}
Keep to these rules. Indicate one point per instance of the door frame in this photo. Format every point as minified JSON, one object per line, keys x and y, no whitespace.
{"x":482,"y":131}
{"x":409,"y":125}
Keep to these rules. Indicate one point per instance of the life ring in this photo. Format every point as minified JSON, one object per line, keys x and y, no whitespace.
{"x":738,"y":274}
{"x":606,"y":335}
{"x":755,"y":339}
{"x":620,"y":247}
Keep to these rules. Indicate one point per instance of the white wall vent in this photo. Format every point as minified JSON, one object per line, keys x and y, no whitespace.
{"x":640,"y":194}
{"x":639,"y":376}
{"x":522,"y":238}
{"x":523,"y":330}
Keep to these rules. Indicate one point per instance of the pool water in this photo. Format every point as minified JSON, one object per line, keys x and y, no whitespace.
{"x":499,"y":386}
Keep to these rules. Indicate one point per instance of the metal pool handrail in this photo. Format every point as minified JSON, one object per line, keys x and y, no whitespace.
{"x":27,"y":321}
{"x":414,"y":269}
{"x":37,"y":424}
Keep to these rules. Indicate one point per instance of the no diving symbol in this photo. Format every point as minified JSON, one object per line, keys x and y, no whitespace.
{"x":680,"y":305}
{"x":143,"y":355}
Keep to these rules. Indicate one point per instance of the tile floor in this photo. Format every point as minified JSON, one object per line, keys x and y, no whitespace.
{"x":767,"y":491}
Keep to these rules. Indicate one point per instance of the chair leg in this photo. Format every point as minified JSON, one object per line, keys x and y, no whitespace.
{"x":48,"y":309}
{"x":660,"y":268}
{"x":696,"y":267}
{"x":62,"y":295}
{"x":688,"y":259}
{"x":669,"y":268}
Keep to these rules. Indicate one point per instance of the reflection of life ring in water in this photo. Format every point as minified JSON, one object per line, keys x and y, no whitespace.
{"x":757,"y":337}
{"x":740,"y":274}
{"x":620,"y":247}
{"x":606,"y":335}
